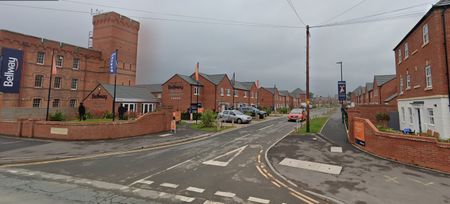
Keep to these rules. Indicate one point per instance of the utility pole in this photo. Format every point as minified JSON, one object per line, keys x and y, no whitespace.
{"x":307,"y":80}
{"x":342,"y":77}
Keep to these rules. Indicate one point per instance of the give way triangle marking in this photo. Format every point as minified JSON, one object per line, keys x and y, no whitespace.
{"x":236,"y":152}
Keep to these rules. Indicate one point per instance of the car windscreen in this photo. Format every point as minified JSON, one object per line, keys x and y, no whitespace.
{"x":238,"y":112}
{"x":296,"y":111}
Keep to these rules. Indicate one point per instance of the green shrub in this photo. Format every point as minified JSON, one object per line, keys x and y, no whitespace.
{"x":107,"y":115}
{"x":382,"y":117}
{"x":283,"y":110}
{"x":57,"y":116}
{"x":267,"y":110}
{"x":208,"y":119}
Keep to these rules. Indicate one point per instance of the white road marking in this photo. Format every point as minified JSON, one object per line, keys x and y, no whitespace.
{"x":236,"y":152}
{"x":336,"y":149}
{"x":165,"y":135}
{"x":158,"y":173}
{"x":184,"y":198}
{"x":420,"y":182}
{"x":258,"y":200}
{"x":169,"y":185}
{"x":194,"y":189}
{"x":225,"y":194}
{"x":175,"y":166}
{"x":212,"y":202}
{"x":145,"y":182}
{"x":389,"y":179}
{"x":265,"y":127}
{"x":313,"y":166}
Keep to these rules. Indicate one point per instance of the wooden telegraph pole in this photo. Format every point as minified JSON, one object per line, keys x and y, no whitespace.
{"x":307,"y":80}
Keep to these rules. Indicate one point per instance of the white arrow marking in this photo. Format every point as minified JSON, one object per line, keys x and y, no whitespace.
{"x":236,"y":152}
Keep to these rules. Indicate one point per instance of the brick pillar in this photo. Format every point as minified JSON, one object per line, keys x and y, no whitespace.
{"x":351,"y":119}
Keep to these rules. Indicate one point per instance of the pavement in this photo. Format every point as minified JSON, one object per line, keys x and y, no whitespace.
{"x":363,"y":179}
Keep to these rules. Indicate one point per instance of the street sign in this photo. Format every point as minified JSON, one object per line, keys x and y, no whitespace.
{"x":342,"y":90}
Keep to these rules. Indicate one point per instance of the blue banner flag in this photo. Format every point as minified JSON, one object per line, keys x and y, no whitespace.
{"x":113,"y":63}
{"x":11,"y":70}
{"x":342,"y":90}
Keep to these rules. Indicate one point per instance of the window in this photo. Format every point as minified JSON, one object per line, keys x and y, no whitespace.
{"x":59,"y":61}
{"x":236,"y":93}
{"x":408,"y":81}
{"x":400,"y":56}
{"x":40,"y":58}
{"x":228,"y":92}
{"x":57,"y":84}
{"x":245,"y":94}
{"x":403,"y":114}
{"x":411,"y":119}
{"x":252,"y":94}
{"x":73,"y":103}
{"x":76,"y":64}
{"x":56,"y":103}
{"x":147,"y":107}
{"x":431,"y":116}
{"x":428,"y":78}
{"x":74,"y":84}
{"x":221,"y":91}
{"x":406,"y":51}
{"x":401,"y":84}
{"x":38,"y":81}
{"x":426,"y":36}
{"x":130,"y":107}
{"x":37,"y":102}
{"x":197,"y":91}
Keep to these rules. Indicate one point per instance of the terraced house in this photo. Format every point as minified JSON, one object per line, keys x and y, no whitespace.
{"x":422,"y":65}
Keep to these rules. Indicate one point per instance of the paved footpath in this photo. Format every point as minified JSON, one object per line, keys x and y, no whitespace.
{"x":364,"y":178}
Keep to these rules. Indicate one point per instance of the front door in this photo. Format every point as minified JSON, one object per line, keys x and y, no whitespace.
{"x":419,"y":119}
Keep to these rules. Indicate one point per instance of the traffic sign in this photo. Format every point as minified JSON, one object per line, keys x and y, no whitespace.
{"x":342,"y":90}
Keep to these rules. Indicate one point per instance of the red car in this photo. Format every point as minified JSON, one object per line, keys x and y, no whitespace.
{"x":296,"y":114}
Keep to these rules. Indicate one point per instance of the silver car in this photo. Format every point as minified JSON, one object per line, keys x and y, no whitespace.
{"x":234,"y":115}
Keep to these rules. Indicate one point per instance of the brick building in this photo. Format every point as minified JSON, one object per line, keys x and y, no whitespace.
{"x":253,"y":93}
{"x":422,"y":65}
{"x":79,"y":70}
{"x":286,"y":99}
{"x":298,"y":96}
{"x":384,"y":89}
{"x":368,"y":93}
{"x":267,"y":97}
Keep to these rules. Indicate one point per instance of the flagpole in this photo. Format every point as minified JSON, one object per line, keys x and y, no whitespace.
{"x":115,"y":85}
{"x":50,"y":85}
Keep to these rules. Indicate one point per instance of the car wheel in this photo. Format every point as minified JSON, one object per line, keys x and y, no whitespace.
{"x":239,"y":121}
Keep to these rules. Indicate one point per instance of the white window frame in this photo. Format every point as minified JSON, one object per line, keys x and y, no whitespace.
{"x":38,"y":58}
{"x":41,"y":82}
{"x":228,"y":92}
{"x":403,"y":114}
{"x":425,"y":34}
{"x":411,"y":116}
{"x":74,"y":105}
{"x":59,"y":61}
{"x":197,"y":91}
{"x":428,"y":77}
{"x":76,"y":64}
{"x":399,"y":56}
{"x":40,"y":102}
{"x":401,"y":84}
{"x":406,"y":50}
{"x":72,"y":83}
{"x":431,"y":116}
{"x":148,"y":108}
{"x":236,"y":93}
{"x":245,"y":94}
{"x":58,"y":103}
{"x":59,"y":83}
{"x":131,"y":107}
{"x":222,"y":92}
{"x":408,"y":81}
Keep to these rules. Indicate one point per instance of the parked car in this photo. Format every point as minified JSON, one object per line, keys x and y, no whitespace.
{"x":253,"y":111}
{"x":296,"y":114}
{"x":235,"y":116}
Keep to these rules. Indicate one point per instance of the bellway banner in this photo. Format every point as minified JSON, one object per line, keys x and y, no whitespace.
{"x":11,"y":69}
{"x":342,"y":90}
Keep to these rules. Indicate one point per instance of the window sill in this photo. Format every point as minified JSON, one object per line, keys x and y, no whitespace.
{"x":407,"y":89}
{"x":416,"y":87}
{"x":41,"y":64}
{"x":425,"y":44}
{"x":73,"y":89}
{"x":414,"y":52}
{"x":76,"y":69}
{"x":38,"y":87}
{"x":428,"y":89}
{"x":406,"y":58}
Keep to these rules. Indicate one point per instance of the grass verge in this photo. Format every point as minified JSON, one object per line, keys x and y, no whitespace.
{"x":315,"y":125}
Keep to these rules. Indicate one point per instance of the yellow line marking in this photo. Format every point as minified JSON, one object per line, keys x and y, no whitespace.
{"x":262,"y":173}
{"x":103,"y":154}
{"x":300,"y":198}
{"x":259,"y":158}
{"x":276,"y":184}
{"x":281,"y":183}
{"x":303,"y":195}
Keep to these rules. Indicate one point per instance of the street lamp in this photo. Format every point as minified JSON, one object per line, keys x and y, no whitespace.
{"x":342,"y":78}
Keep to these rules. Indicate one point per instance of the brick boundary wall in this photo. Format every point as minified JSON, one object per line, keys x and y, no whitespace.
{"x":370,"y":111}
{"x":147,"y":124}
{"x":414,"y":150}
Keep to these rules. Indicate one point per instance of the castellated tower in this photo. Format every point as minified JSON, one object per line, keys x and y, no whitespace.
{"x":113,"y":31}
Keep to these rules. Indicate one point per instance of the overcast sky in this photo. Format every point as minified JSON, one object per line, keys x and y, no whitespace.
{"x":272,"y":55}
